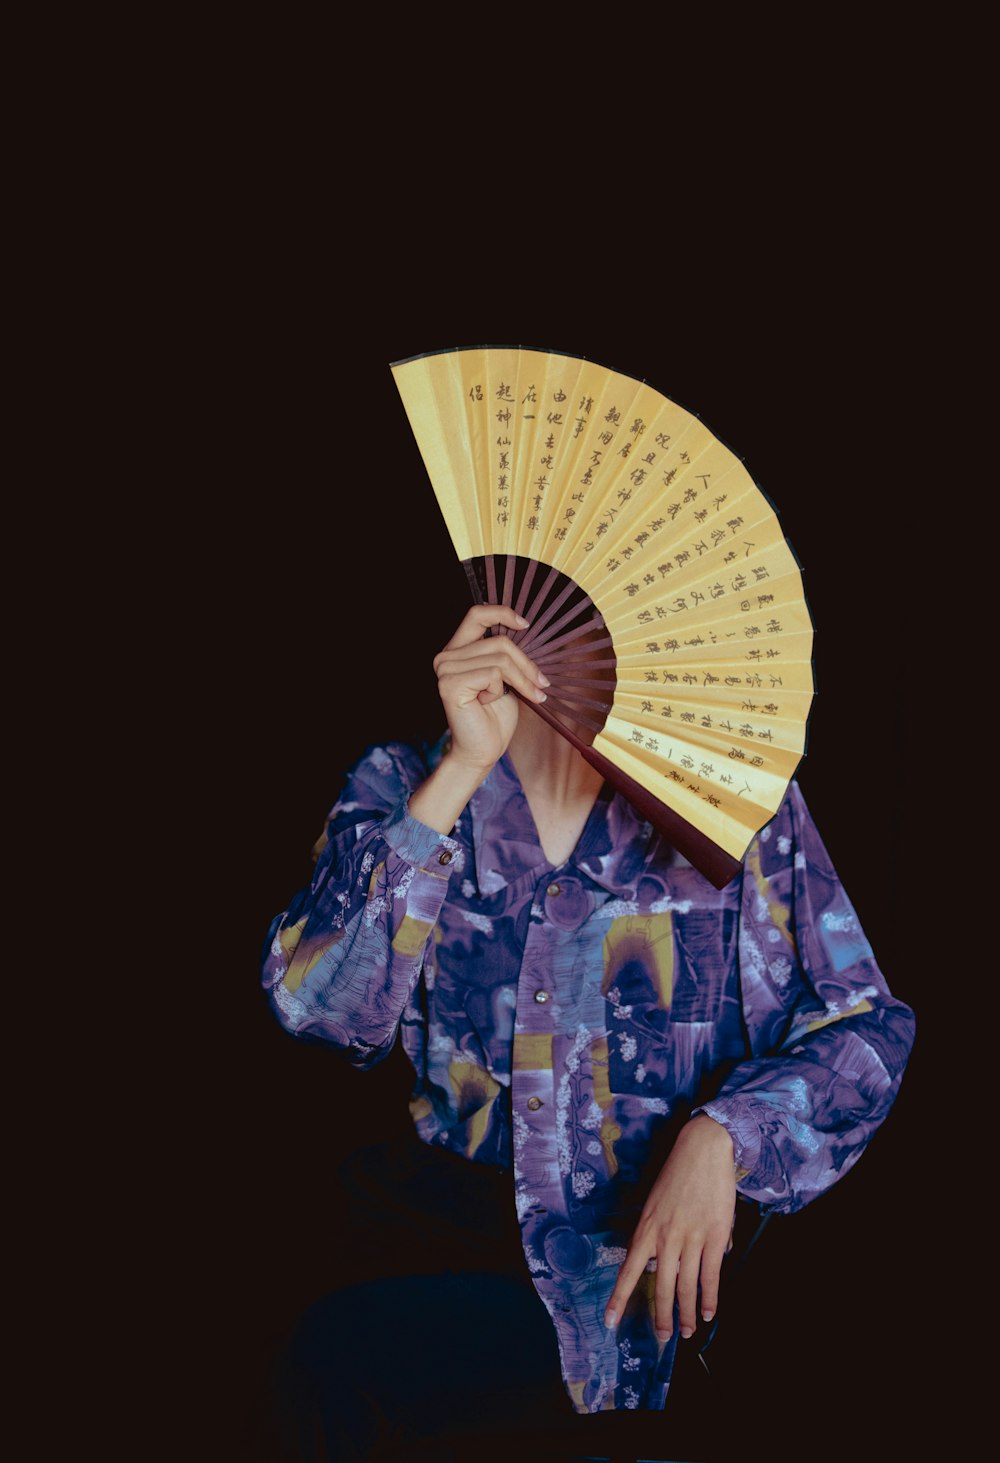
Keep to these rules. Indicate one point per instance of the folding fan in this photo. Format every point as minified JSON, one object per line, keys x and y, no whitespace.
{"x":664,"y":604}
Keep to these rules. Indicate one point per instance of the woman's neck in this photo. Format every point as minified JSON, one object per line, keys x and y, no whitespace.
{"x":561,"y":788}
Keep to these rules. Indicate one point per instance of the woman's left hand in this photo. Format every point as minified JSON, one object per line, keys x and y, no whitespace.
{"x":686,"y":1225}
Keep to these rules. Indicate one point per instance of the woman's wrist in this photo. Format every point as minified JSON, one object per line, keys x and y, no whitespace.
{"x":441,"y":799}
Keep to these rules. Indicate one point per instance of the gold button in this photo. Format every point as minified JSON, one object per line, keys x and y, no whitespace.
{"x":541,"y":997}
{"x":552,"y":889}
{"x":445,"y":858}
{"x":534,"y":1103}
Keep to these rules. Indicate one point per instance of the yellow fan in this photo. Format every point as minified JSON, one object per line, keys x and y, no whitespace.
{"x":664,"y":604}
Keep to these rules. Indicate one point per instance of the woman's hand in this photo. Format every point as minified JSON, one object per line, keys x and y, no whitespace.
{"x":686,"y":1223}
{"x":472,"y":672}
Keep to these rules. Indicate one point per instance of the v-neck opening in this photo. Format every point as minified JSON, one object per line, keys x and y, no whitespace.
{"x":597,"y":810}
{"x":511,"y":771}
{"x":612,"y":849}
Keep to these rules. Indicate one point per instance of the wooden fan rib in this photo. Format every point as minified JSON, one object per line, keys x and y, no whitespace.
{"x":559,"y":660}
{"x":541,"y":612}
{"x":572,"y":710}
{"x":565,"y":656}
{"x":491,"y":579}
{"x":548,"y":632}
{"x":557,"y":691}
{"x":507,"y":595}
{"x":595,"y":623}
{"x":593,"y":683}
{"x":522,"y":598}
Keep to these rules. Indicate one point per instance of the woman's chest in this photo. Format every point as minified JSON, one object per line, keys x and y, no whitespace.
{"x":565,"y":952}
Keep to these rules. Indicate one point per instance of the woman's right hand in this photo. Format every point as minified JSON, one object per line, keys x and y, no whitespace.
{"x":472,"y":674}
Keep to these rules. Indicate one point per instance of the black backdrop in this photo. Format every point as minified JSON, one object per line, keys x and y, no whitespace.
{"x":326,"y":582}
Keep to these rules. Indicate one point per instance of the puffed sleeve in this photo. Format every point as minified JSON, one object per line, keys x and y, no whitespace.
{"x":341,"y":961}
{"x":829,"y":1041}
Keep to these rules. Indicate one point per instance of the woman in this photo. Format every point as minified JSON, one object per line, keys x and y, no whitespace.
{"x":620,"y":1047}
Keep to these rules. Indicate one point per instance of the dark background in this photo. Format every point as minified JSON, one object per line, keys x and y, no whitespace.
{"x":242,"y":577}
{"x":322,"y":583}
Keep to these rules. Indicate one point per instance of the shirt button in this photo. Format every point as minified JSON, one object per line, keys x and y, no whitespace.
{"x":534,"y":1103}
{"x":541,"y":997}
{"x":445,"y":858}
{"x":552,"y":889}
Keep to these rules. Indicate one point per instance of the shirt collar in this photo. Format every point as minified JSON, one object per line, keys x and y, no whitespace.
{"x":613,"y":850}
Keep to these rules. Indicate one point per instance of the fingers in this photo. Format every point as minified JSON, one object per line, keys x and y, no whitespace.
{"x":678,"y":1275}
{"x":480,"y":619}
{"x":483,"y":684}
{"x":686,"y":1224}
{"x":628,"y":1276}
{"x":474,"y":673}
{"x":711,"y":1270}
{"x":687,"y":1294}
{"x":496,"y":668}
{"x":461,"y":665}
{"x":477,"y":682}
{"x":666,"y":1279}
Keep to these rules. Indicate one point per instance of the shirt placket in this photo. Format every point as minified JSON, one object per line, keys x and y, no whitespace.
{"x":533,"y":1078}
{"x":540,"y":1082}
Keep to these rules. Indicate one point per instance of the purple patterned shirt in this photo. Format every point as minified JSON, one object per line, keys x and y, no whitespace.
{"x":560,"y":1019}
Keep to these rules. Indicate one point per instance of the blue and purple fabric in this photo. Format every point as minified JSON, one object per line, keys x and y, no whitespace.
{"x":559,"y":1019}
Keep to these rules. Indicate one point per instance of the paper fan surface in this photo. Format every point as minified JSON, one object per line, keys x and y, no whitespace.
{"x":666,"y":606}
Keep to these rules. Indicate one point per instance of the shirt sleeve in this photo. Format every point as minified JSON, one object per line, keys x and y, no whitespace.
{"x":341,"y":961}
{"x":830,"y":1041}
